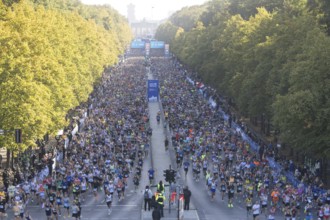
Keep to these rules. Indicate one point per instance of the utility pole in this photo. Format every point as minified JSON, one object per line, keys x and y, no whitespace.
{"x":169,"y":175}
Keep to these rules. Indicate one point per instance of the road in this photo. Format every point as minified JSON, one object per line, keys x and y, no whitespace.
{"x":202,"y":208}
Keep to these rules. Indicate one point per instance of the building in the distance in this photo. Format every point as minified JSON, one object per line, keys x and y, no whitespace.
{"x":131,"y":13}
{"x":141,"y":29}
{"x":144,"y":29}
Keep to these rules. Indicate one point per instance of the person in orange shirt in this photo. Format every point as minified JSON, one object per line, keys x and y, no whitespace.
{"x":275,"y":196}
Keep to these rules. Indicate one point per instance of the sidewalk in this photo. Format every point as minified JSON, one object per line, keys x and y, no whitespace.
{"x":188,"y":215}
{"x":161,"y":161}
{"x":160,"y":158}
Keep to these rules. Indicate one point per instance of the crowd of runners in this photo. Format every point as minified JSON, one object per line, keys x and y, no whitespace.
{"x":213,"y":149}
{"x":108,"y":149}
{"x":114,"y":138}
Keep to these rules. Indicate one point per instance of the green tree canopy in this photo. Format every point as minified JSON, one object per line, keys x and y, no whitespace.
{"x":187,"y":17}
{"x":51,"y":56}
{"x":269,"y":57}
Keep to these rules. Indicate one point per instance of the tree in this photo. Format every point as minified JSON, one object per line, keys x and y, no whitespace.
{"x":264,"y":55}
{"x":248,"y":8}
{"x":50,"y":60}
{"x":168,"y":32}
{"x":303,"y":113}
{"x":187,"y":17}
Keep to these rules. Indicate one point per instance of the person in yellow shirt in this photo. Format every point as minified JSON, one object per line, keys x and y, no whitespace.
{"x":248,"y":202}
{"x":160,"y":187}
{"x":160,"y":201}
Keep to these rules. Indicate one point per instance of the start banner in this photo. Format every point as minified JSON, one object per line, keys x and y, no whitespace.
{"x":136,"y":44}
{"x":153,"y":90}
{"x":157,"y":44}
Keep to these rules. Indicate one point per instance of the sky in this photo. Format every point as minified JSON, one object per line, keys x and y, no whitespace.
{"x":149,"y":9}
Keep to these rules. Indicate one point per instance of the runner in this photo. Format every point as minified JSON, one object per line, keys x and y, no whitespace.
{"x":256,"y":210}
{"x":66,"y":204}
{"x":186,"y":165}
{"x":75,"y":211}
{"x":248,"y":202}
{"x":59,"y":202}
{"x":48,"y":210}
{"x":151,"y":174}
{"x":108,"y":199}
{"x":231,"y":192}
{"x":213,"y":187}
{"x":223,"y":187}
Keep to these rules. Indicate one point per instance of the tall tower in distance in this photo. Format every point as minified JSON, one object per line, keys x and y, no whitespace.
{"x":131,"y":13}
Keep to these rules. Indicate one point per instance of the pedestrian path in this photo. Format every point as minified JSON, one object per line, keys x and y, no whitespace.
{"x":160,"y":158}
{"x":161,"y":161}
{"x":188,"y":215}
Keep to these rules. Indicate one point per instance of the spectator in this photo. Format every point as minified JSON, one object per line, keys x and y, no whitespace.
{"x":156,"y":215}
{"x":186,"y":195}
{"x":147,"y":198}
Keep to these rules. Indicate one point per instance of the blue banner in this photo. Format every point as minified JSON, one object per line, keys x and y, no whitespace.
{"x":157,"y":44}
{"x":153,"y":90}
{"x":137,"y":44}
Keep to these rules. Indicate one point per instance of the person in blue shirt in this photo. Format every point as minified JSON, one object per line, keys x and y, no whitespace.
{"x":315,"y":194}
{"x":65,"y":186}
{"x":69,"y":179}
{"x":186,"y":165}
{"x":66,"y":203}
{"x":151,"y":174}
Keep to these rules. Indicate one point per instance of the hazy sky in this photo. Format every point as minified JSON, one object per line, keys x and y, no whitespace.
{"x":149,"y":9}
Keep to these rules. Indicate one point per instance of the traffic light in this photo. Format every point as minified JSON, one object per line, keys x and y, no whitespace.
{"x":172,"y":176}
{"x":18,"y":136}
{"x":167,"y":175}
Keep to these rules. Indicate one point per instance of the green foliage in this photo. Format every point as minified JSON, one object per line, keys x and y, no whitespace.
{"x":187,"y":17}
{"x":304,"y":112}
{"x":322,"y":11}
{"x":9,"y":2}
{"x":217,"y":10}
{"x":269,"y":57}
{"x":168,"y":32}
{"x":248,"y":8}
{"x":50,"y":60}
